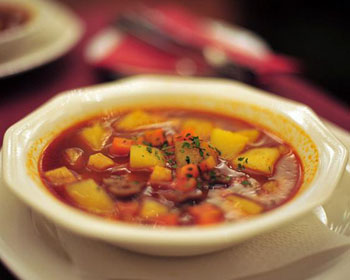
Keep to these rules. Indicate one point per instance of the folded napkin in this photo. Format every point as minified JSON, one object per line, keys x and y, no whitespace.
{"x":268,"y":252}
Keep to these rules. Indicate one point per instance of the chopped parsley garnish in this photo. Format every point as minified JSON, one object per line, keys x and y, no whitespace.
{"x":201,"y":153}
{"x":188,"y":160}
{"x":172,"y":163}
{"x":246,"y":183}
{"x":149,"y":149}
{"x":147,"y":143}
{"x":218,"y":151}
{"x":240,"y":158}
{"x":186,"y":145}
{"x":157,"y":155}
{"x":196,"y":141}
{"x":212,"y":175}
{"x":167,"y":153}
{"x":189,"y":175}
{"x":241,"y":166}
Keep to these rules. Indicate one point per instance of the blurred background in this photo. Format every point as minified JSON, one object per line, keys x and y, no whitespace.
{"x":316,"y":33}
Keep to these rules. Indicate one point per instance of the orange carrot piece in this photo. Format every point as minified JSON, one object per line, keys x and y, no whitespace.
{"x":185,"y":135}
{"x":155,"y":137}
{"x":128,"y":210}
{"x":120,"y":146}
{"x":139,"y":140}
{"x":206,"y":214}
{"x":170,"y":219}
{"x":185,"y":184}
{"x":207,"y":164}
{"x":188,"y":171}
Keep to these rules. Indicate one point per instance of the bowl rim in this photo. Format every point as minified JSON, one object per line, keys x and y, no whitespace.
{"x":95,"y":227}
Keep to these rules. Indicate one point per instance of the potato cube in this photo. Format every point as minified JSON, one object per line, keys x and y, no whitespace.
{"x":200,"y":127}
{"x":99,"y":162}
{"x":90,"y":196}
{"x":252,"y":134}
{"x":136,"y":119}
{"x":160,"y":174}
{"x":245,"y":205}
{"x":142,"y":156}
{"x":95,"y":136}
{"x":228,"y":143}
{"x":60,"y":176}
{"x":152,"y":209}
{"x":259,"y":159}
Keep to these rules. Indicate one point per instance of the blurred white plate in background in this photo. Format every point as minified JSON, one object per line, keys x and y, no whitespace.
{"x":55,"y":32}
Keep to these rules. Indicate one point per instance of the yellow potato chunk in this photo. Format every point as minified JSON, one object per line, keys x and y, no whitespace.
{"x":228,"y":143}
{"x":99,"y":161}
{"x":152,"y":209}
{"x":259,"y":159}
{"x":142,"y":156}
{"x":95,"y":136}
{"x":160,"y":174}
{"x":245,"y":205}
{"x":90,"y":196}
{"x":252,"y":134}
{"x":136,"y":119}
{"x":200,"y":127}
{"x":60,"y":176}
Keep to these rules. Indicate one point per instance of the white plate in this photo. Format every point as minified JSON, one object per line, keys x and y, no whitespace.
{"x":59,"y":32}
{"x":31,"y":249}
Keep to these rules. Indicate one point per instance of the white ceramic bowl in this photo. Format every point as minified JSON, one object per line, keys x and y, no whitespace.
{"x":322,"y":155}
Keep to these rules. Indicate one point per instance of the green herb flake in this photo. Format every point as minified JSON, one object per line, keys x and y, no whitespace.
{"x":186,"y":145}
{"x":189,"y":175}
{"x":188,"y":160}
{"x":157,"y":155}
{"x":218,"y":151}
{"x":196,"y":141}
{"x":147,"y":143}
{"x":201,"y":153}
{"x":241,"y":166}
{"x":240,"y":158}
{"x":246,"y":183}
{"x":149,"y":149}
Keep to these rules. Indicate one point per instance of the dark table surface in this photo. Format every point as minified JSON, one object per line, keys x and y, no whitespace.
{"x":21,"y":94}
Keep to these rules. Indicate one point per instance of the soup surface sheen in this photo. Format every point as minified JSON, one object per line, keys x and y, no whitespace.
{"x":170,"y":167}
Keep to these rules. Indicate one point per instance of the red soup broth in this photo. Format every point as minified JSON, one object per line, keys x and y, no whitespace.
{"x":172,"y":167}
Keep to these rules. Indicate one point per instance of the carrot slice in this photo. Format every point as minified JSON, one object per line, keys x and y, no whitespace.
{"x":155,"y":137}
{"x":185,"y":135}
{"x":188,"y":171}
{"x":207,"y":164}
{"x":128,"y":210}
{"x":120,"y":146}
{"x":170,"y":219}
{"x":206,"y":214}
{"x":185,"y":184}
